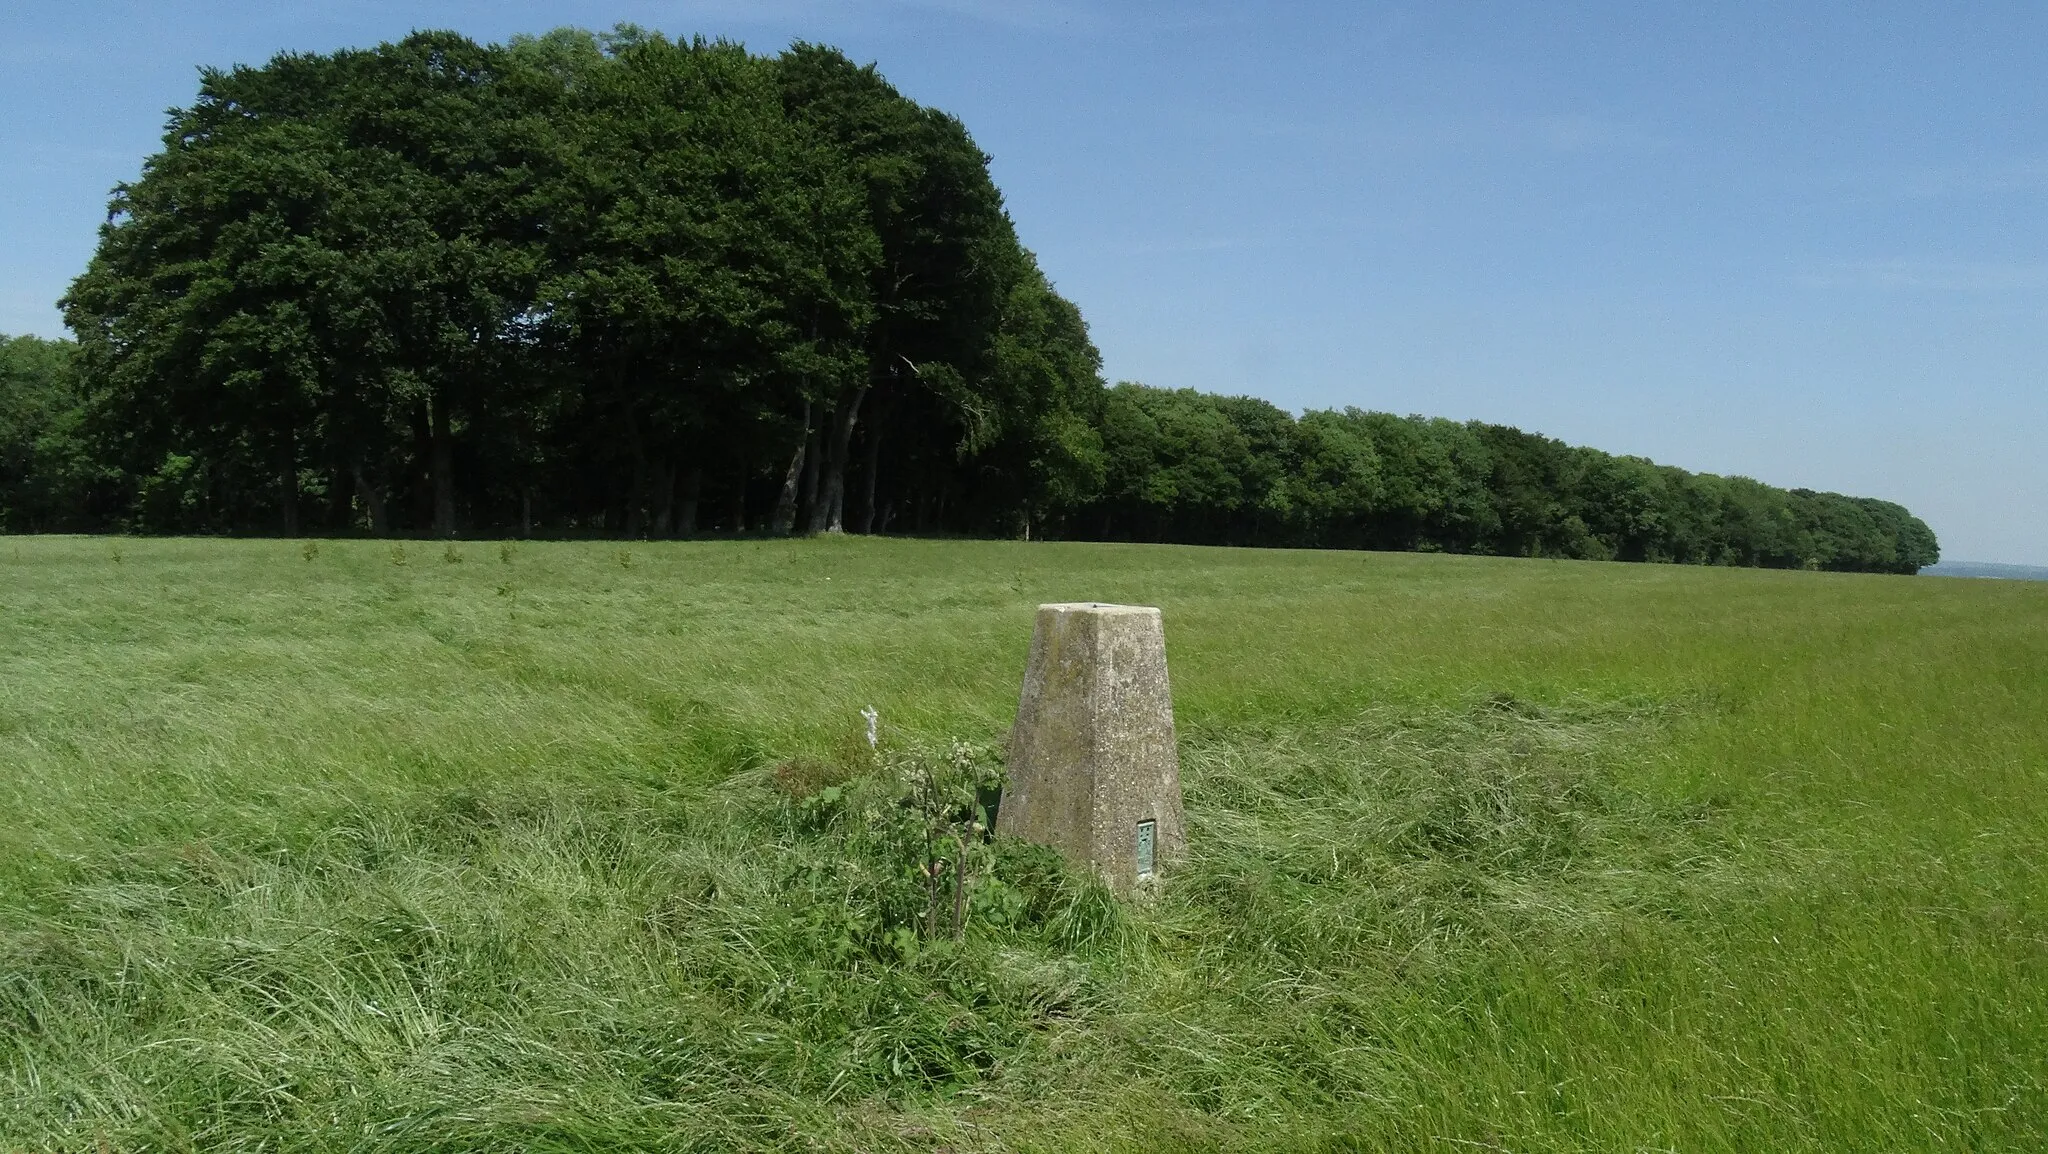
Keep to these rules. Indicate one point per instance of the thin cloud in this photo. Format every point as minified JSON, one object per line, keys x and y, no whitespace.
{"x":1029,"y":15}
{"x":1593,"y":134}
{"x":1930,"y":276}
{"x":2011,"y":177}
{"x":1562,"y":133}
{"x":1025,"y":15}
{"x":1976,"y":180}
{"x":1193,"y":245}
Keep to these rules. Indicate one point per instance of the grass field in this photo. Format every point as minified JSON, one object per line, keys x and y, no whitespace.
{"x":479,"y":847}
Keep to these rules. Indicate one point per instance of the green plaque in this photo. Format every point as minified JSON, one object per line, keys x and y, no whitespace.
{"x":1148,"y":840}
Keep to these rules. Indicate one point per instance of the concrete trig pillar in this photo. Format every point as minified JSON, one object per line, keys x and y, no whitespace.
{"x":1094,"y":771}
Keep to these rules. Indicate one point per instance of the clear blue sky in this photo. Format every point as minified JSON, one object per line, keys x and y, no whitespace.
{"x":1803,"y":242}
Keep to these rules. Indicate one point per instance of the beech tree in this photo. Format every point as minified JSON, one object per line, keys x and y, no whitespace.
{"x":947,"y":265}
{"x":437,"y":284}
{"x":713,"y":286}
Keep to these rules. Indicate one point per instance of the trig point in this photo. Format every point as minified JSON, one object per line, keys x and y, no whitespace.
{"x":1094,"y":772}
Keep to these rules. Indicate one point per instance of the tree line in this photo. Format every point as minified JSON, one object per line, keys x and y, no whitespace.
{"x":1187,"y":466}
{"x":620,"y":284}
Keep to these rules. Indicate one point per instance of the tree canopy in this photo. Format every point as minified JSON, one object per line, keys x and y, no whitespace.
{"x":603,"y":283}
{"x":623,"y":284}
{"x":1186,"y":466}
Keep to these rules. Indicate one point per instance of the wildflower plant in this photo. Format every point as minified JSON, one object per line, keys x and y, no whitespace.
{"x":915,"y":858}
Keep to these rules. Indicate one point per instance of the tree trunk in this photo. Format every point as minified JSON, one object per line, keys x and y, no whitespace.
{"x":422,"y":474}
{"x":869,"y":468}
{"x":785,"y":505}
{"x":288,"y":485}
{"x":664,"y":498}
{"x":830,"y":515}
{"x":339,"y":502}
{"x":444,"y":473}
{"x":807,"y":512}
{"x":373,"y":502}
{"x":686,"y":514}
{"x":636,"y":493}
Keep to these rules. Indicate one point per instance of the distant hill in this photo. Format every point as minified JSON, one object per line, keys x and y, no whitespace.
{"x":1987,"y":569}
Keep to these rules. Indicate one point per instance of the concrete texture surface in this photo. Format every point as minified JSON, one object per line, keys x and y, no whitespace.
{"x":1092,"y":754}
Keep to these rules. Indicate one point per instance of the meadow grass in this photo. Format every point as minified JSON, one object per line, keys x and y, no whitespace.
{"x":415,"y":846}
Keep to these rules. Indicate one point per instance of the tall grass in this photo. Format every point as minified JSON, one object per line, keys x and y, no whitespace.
{"x":486,"y":848}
